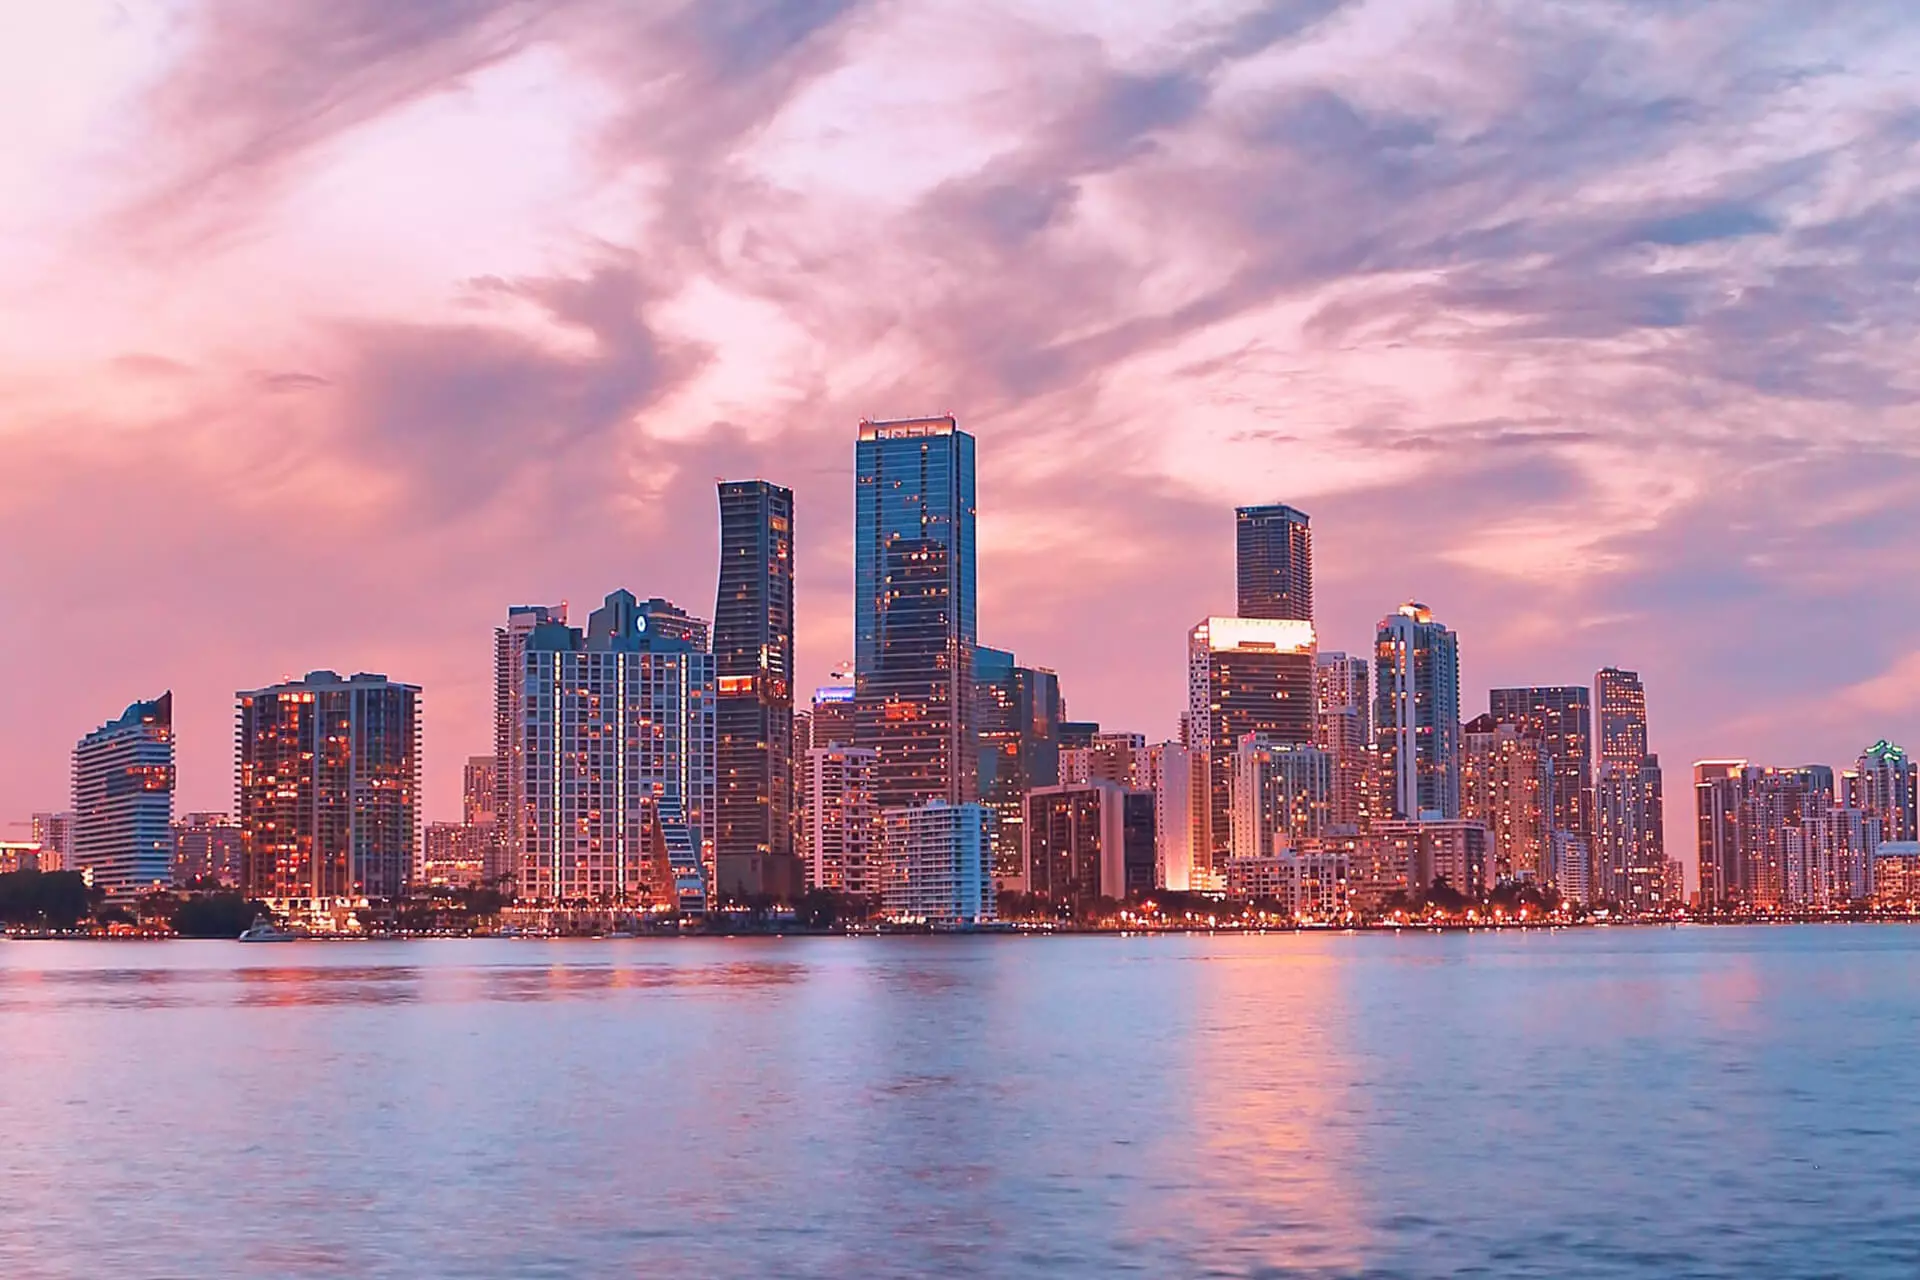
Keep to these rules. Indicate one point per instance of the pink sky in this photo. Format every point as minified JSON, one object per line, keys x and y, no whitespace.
{"x":331,"y":330}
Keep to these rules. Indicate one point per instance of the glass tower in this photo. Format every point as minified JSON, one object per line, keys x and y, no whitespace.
{"x":1273,"y":558}
{"x":1416,"y":714}
{"x":1018,"y":713}
{"x":122,"y":829}
{"x":914,"y":610}
{"x":753,"y":662}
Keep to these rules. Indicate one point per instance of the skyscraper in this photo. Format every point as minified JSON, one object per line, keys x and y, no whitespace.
{"x":1884,"y":784}
{"x":1274,"y":562}
{"x":1629,"y":835}
{"x":1343,"y":728}
{"x":1244,"y":675}
{"x":843,"y":826}
{"x":1561,"y":717}
{"x":1416,"y":714}
{"x":614,"y":749}
{"x":1019,"y":729}
{"x":1087,"y":841}
{"x":755,"y":811}
{"x":1754,"y":827}
{"x":123,"y":800}
{"x":833,"y":720}
{"x":1506,"y":785}
{"x":509,"y":740}
{"x":327,"y":777}
{"x":1282,"y":796}
{"x":914,"y":609}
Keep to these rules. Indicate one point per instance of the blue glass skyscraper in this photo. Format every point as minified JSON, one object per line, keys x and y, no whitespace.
{"x":914,"y":610}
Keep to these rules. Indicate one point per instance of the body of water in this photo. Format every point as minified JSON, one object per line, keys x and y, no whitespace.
{"x":1613,"y":1102}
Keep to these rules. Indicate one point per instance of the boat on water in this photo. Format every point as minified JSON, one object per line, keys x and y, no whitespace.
{"x":265,"y":930}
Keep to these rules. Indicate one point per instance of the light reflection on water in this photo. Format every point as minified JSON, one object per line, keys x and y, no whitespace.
{"x":1607,"y":1103}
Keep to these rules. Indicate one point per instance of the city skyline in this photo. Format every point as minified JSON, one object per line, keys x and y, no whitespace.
{"x":1649,"y":449}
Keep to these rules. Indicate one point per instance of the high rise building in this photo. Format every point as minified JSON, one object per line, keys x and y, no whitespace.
{"x":1108,"y":757}
{"x":1244,"y":675}
{"x":327,"y":778}
{"x":936,"y":864}
{"x":833,"y":721}
{"x":843,"y":824}
{"x":614,"y":749}
{"x":1561,"y":717}
{"x":757,"y":783}
{"x":1629,"y":827}
{"x":1885,"y":784}
{"x":1077,"y":733}
{"x":666,"y":620}
{"x":1087,"y":841}
{"x":206,"y":848}
{"x":509,"y":721}
{"x":53,"y":832}
{"x":454,"y":855}
{"x":479,"y":784}
{"x":1274,"y":562}
{"x":914,"y":610}
{"x":1282,"y":796}
{"x":1753,"y":825}
{"x":1416,"y":714}
{"x":1343,"y":728}
{"x":123,"y":801}
{"x":1018,"y":712}
{"x":1506,"y":785}
{"x":1170,"y":770}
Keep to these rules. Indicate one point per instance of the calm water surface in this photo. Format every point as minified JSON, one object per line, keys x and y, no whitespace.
{"x":1686,"y":1102}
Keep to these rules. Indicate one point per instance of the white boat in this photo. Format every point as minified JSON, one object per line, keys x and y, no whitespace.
{"x":265,"y":930}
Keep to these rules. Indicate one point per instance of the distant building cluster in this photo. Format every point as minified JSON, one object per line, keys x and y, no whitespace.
{"x":653,"y":759}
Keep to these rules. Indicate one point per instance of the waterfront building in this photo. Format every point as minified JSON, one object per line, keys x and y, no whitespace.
{"x":936,"y":864}
{"x":1416,"y":715}
{"x":1827,"y":860}
{"x":1896,"y":876}
{"x":843,"y":824}
{"x":1343,"y":728}
{"x":123,"y":779}
{"x":1884,"y":783}
{"x":1088,"y":840}
{"x":1560,"y":717}
{"x":615,"y":750}
{"x":1398,"y":855}
{"x":914,"y":610}
{"x":1570,"y":866}
{"x":756,"y":783}
{"x":1018,"y":713}
{"x":1751,"y":818}
{"x":454,"y":855}
{"x":1309,"y":882}
{"x":327,"y":779}
{"x":1506,"y":785}
{"x":1281,"y":795}
{"x":206,"y":848}
{"x":1244,"y":675}
{"x":1170,"y":777}
{"x":19,"y":855}
{"x":1629,"y":822}
{"x":1273,"y":563}
{"x":509,"y":738}
{"x":53,"y":833}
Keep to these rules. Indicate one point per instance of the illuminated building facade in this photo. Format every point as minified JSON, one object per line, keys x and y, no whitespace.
{"x":1416,"y":715}
{"x":509,"y":720}
{"x":1169,"y":775}
{"x":206,"y":848}
{"x":1281,"y":796}
{"x":1086,"y":841}
{"x":123,"y":801}
{"x":1885,"y":784}
{"x":53,"y":832}
{"x":832,"y":721}
{"x":1560,"y":717}
{"x":843,"y":823}
{"x":327,"y":778}
{"x":1107,"y":757}
{"x":1506,"y":785}
{"x":1343,"y":728}
{"x":936,"y":864}
{"x":755,"y":812}
{"x":615,"y":747}
{"x":1753,"y":831}
{"x":454,"y":854}
{"x":1629,"y":825}
{"x":1244,"y":675}
{"x":1273,"y":562}
{"x":914,"y":609}
{"x":1018,"y":714}
{"x":1412,"y":855}
{"x":1896,"y":876}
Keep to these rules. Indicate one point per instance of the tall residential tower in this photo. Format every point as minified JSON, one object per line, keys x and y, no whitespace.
{"x":1416,"y":714}
{"x":123,"y":800}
